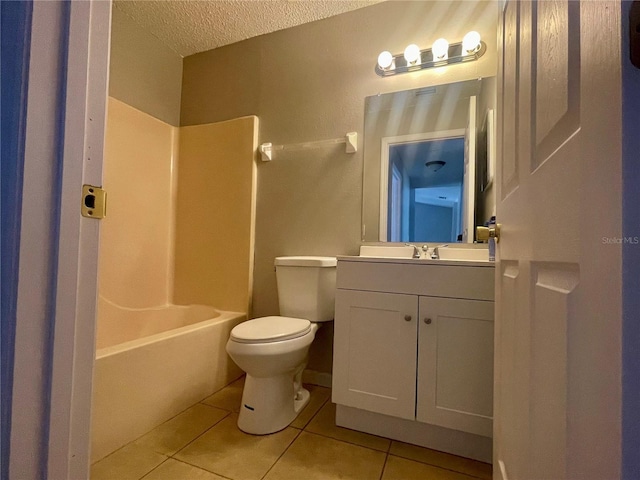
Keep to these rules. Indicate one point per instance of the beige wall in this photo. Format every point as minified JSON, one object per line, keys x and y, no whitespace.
{"x":309,"y":83}
{"x":143,"y":72}
{"x":215,"y":214}
{"x":136,"y":239}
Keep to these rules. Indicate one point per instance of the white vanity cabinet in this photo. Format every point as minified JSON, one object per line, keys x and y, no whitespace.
{"x":413,"y":340}
{"x":455,"y":364}
{"x":374,"y":354}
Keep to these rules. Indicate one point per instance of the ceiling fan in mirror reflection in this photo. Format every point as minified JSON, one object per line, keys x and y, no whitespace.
{"x":440,"y":54}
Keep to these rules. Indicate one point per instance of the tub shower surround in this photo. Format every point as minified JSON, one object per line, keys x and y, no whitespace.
{"x":166,"y":260}
{"x":144,"y":381}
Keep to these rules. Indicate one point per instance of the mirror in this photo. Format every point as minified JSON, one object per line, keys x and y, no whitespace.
{"x":427,"y":163}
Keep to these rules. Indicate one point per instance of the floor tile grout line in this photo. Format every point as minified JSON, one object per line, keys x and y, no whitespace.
{"x":154,"y":468}
{"x":388,"y":449}
{"x":218,"y":391}
{"x":314,"y":415}
{"x":437,"y":466}
{"x":342,"y":440}
{"x":388,"y":453}
{"x":229,"y":413}
{"x":126,"y":445}
{"x":201,"y":468}
{"x":406,"y":457}
{"x":198,"y":436}
{"x":384,"y":465}
{"x":346,"y":441}
{"x":157,"y":426}
{"x":282,"y":454}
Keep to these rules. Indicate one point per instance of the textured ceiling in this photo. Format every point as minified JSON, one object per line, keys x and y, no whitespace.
{"x":194,"y":26}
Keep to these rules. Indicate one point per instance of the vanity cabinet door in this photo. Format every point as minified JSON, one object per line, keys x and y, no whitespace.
{"x":374,"y":358}
{"x":455,"y":364}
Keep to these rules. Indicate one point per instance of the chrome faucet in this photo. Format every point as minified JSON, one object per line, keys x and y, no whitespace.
{"x":434,"y":254}
{"x":416,"y":251}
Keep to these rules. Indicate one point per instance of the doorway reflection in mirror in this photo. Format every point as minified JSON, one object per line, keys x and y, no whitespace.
{"x":425,"y":190}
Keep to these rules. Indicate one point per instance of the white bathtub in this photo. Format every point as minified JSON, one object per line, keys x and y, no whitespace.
{"x":151,"y":364}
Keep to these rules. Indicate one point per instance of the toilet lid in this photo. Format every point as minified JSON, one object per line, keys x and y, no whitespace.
{"x":270,"y":329}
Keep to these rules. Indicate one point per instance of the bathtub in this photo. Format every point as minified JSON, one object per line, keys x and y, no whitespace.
{"x":151,"y":364}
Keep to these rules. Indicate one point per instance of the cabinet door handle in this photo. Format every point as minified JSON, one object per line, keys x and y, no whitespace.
{"x":407,"y":318}
{"x":427,"y":321}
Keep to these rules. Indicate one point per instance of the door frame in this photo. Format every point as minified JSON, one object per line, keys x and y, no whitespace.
{"x":55,"y":327}
{"x":630,"y":255}
{"x":386,"y":143}
{"x":77,"y":276}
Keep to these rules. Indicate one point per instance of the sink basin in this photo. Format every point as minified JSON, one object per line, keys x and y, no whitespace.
{"x":468,"y":254}
{"x":444,"y":253}
{"x":382,"y":251}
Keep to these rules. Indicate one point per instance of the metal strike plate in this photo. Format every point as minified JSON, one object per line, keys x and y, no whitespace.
{"x":94,"y":202}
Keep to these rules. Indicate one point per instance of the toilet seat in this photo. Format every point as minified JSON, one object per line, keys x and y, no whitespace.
{"x":270,"y":329}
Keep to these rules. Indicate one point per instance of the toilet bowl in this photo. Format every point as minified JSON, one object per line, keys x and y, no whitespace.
{"x":273,"y":350}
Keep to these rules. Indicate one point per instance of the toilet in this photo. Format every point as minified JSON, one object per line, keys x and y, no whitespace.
{"x":273,"y":350}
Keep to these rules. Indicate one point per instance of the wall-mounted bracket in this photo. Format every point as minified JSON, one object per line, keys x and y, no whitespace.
{"x":351,"y":141}
{"x":266,"y":152}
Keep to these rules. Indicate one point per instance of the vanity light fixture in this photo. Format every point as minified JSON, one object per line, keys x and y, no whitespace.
{"x":385,"y":60}
{"x":440,"y":54}
{"x":440,"y":49}
{"x":412,"y":54}
{"x":471,"y":42}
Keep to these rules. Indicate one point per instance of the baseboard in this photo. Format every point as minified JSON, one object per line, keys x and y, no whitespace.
{"x":417,"y":433}
{"x":312,"y":377}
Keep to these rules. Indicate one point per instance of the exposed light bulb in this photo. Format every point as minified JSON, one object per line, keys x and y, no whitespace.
{"x":470,"y":42}
{"x":385,"y":59}
{"x":440,"y":49}
{"x":412,"y":54}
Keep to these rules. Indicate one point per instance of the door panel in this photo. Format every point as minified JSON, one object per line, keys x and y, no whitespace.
{"x":511,"y":370}
{"x":553,"y":293}
{"x":507,"y":101}
{"x":455,"y":364}
{"x":375,"y":352}
{"x":556,"y":60}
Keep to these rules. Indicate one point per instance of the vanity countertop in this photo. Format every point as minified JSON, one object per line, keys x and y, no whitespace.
{"x":419,"y":261}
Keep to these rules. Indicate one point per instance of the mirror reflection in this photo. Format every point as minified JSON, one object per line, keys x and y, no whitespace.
{"x":425,"y":196}
{"x":426,"y":177}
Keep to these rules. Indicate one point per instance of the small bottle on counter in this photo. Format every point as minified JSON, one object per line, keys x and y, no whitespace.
{"x":492,"y":241}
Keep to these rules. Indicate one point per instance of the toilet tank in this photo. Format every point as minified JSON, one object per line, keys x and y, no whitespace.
{"x":306,"y":287}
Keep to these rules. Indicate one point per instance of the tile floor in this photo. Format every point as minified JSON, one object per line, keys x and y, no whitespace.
{"x":204,"y":443}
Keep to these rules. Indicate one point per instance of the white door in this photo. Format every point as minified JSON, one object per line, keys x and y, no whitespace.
{"x":469,"y":182}
{"x":558,"y":276}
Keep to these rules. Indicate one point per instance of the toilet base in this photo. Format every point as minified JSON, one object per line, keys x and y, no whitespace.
{"x":271,"y":404}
